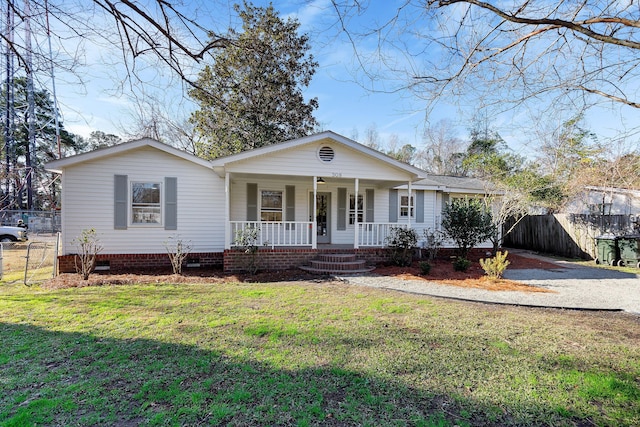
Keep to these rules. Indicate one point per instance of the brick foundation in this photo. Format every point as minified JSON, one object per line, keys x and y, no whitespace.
{"x":287,"y":258}
{"x":234,"y":260}
{"x":130,"y":262}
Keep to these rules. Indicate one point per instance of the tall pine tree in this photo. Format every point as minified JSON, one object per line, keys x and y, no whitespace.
{"x":251,"y":96}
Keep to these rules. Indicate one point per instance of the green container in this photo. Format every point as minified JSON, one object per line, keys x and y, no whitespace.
{"x":607,"y":249}
{"x":629,"y":246}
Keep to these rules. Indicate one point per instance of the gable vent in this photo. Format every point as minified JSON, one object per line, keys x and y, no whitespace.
{"x":326,"y":154}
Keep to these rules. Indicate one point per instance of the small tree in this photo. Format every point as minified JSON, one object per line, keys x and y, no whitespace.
{"x":88,"y":246}
{"x":247,"y":240}
{"x":467,"y":222}
{"x":401,"y":242}
{"x":178,"y":251}
{"x":434,"y":240}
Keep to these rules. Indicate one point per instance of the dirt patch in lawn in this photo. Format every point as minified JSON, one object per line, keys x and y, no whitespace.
{"x":441,"y":272}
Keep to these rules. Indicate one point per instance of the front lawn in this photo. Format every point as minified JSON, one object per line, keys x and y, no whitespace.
{"x":307,"y":353}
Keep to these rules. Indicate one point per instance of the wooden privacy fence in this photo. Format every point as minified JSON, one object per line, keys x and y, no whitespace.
{"x":568,"y":235}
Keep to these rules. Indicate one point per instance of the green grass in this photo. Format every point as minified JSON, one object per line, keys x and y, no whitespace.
{"x":314,"y":354}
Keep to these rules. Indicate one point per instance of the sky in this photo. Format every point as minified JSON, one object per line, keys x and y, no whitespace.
{"x":103,"y":103}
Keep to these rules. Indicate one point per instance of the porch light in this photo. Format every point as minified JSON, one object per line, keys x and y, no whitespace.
{"x":319,"y":180}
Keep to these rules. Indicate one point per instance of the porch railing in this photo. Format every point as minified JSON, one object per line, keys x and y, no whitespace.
{"x":375,"y":233}
{"x":272,"y":234}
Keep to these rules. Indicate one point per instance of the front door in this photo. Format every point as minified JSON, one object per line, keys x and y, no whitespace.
{"x":323,"y":216}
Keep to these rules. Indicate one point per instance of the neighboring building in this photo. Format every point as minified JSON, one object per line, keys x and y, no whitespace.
{"x":318,"y":193}
{"x":605,"y":201}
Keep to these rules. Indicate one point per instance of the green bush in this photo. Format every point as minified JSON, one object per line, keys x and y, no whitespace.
{"x":425,"y":268}
{"x":401,"y":242}
{"x":496,"y":266}
{"x":461,"y":264}
{"x":467,"y":222}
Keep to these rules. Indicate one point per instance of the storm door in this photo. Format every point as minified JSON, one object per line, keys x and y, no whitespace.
{"x":322,"y":217}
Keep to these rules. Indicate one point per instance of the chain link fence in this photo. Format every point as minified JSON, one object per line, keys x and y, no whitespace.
{"x":29,"y":262}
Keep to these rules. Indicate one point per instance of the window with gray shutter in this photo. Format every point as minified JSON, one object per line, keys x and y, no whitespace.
{"x":342,"y":209}
{"x":120,"y":202}
{"x":171,"y":203}
{"x":252,"y":202}
{"x":393,"y":205}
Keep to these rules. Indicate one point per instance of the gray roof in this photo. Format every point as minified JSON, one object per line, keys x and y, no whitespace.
{"x":457,"y":182}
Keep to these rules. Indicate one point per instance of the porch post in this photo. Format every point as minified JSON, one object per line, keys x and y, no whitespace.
{"x":227,"y":225}
{"x":314,"y":224}
{"x":356,"y":231}
{"x":410,"y":206}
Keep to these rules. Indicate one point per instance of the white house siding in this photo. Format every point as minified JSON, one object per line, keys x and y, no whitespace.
{"x":303,"y":192}
{"x":304,"y":161}
{"x":88,"y":202}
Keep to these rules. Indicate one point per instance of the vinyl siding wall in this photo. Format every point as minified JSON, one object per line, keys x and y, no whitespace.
{"x":88,"y":202}
{"x":304,"y":161}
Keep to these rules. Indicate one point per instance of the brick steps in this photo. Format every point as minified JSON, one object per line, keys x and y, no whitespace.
{"x":337,"y":264}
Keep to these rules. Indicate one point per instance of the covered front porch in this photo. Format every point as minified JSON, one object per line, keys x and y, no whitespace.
{"x":313,"y":212}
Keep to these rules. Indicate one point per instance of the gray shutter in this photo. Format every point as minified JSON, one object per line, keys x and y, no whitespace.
{"x":252,"y":202}
{"x":393,"y":205}
{"x":369,"y":205}
{"x":342,"y":208}
{"x":120,"y":204}
{"x":290,"y":199}
{"x":419,"y":206}
{"x":170,"y":203}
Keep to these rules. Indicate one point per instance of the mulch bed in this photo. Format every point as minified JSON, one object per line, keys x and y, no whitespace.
{"x":441,"y":272}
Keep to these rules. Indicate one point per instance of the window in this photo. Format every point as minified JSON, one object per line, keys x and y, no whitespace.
{"x":145,"y":203}
{"x":406,"y":210}
{"x":270,"y":205}
{"x":352,"y":208}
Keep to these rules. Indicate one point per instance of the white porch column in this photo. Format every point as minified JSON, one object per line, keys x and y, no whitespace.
{"x":227,"y":218}
{"x":410,"y":206}
{"x":314,"y":225}
{"x":355,"y":220}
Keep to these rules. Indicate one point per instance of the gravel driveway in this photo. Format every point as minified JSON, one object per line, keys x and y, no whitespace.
{"x":576,"y":287}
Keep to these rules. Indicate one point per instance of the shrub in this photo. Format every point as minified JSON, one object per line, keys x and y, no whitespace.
{"x":461,"y":264}
{"x":433,"y":239}
{"x":425,"y":268}
{"x":467,"y":222}
{"x":496,"y":266}
{"x":401,"y":242}
{"x":88,"y":246}
{"x":178,"y":251}
{"x":247,"y":240}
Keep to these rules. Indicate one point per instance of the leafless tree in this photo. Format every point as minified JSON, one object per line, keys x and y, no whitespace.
{"x":157,"y":31}
{"x":505,"y":54}
{"x":443,"y":150}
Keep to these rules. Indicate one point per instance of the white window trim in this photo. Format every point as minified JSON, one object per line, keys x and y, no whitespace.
{"x":161,"y":204}
{"x":412,"y":207}
{"x":361,"y":212}
{"x":282,"y":208}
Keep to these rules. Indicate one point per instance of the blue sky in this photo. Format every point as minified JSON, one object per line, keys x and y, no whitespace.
{"x":345,"y":106}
